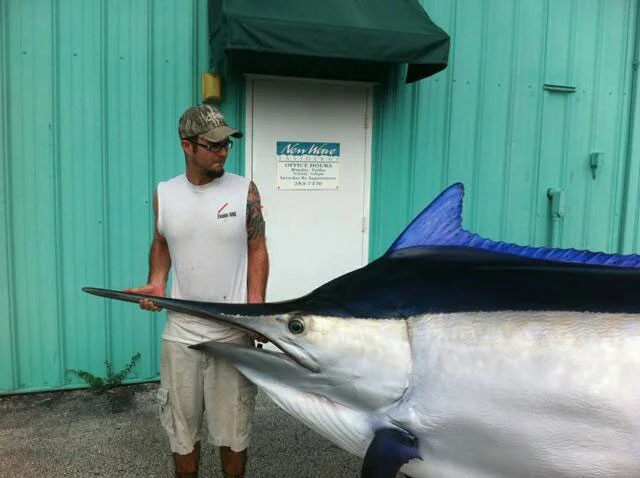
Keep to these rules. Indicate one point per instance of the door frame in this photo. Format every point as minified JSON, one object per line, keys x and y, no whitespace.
{"x":368,"y":123}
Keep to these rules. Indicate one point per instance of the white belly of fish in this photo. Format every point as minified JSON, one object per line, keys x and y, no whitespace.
{"x":534,"y":394}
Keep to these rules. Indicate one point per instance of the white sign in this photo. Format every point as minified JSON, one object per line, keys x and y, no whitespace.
{"x":302,"y":165}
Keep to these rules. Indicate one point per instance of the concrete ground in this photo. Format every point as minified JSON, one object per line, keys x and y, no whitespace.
{"x":77,"y":434}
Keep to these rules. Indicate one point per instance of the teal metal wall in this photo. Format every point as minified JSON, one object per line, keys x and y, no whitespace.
{"x":90,"y":92}
{"x":489,"y":122}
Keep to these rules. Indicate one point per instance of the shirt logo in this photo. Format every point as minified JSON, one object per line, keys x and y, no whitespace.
{"x":224,"y":215}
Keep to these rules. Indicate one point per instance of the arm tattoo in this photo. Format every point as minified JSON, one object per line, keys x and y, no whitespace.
{"x":255,"y":221}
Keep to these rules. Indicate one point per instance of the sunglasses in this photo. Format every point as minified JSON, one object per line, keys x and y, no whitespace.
{"x":214,"y":147}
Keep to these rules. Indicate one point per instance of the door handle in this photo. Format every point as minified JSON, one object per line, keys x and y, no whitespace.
{"x":595,"y":162}
{"x":556,"y":211}
{"x":556,"y":196}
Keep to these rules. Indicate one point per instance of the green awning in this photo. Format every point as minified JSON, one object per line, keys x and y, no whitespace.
{"x":385,"y":31}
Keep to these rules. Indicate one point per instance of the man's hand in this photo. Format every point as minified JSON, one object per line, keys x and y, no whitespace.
{"x":148,"y":289}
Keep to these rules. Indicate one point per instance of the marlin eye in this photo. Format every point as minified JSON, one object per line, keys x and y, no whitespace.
{"x":296,"y":325}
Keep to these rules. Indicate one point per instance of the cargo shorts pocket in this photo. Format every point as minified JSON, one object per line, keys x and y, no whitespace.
{"x":247,"y":395}
{"x":245,"y":405}
{"x":164,"y":408}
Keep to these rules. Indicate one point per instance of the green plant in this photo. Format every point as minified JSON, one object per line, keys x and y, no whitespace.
{"x":100,"y":385}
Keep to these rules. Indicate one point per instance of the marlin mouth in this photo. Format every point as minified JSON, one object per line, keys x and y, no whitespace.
{"x":288,"y":351}
{"x":257,"y":359}
{"x":268,"y":320}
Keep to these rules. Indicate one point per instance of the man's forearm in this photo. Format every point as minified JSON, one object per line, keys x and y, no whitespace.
{"x":159,"y":263}
{"x":258,"y":258}
{"x":257,"y":272}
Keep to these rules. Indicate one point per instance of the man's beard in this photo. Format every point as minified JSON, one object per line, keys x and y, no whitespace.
{"x":215,"y":174}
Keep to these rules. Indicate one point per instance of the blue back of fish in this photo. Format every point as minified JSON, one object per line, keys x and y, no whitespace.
{"x":436,"y":266}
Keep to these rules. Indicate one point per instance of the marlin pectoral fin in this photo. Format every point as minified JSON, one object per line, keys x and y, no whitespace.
{"x":390,"y":449}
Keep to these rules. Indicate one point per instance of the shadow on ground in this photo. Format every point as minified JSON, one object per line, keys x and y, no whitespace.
{"x":79,"y":434}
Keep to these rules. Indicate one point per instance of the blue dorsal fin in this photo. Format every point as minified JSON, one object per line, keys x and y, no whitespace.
{"x":440,"y":224}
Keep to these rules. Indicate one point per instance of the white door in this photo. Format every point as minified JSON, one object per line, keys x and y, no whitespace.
{"x":308,"y":151}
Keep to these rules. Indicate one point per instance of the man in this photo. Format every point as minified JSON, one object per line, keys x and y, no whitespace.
{"x":209,"y":229}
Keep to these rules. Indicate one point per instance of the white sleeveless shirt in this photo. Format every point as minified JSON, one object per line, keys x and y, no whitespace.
{"x":205,"y":229}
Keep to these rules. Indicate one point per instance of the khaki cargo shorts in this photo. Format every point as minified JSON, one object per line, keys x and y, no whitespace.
{"x":196,"y":385}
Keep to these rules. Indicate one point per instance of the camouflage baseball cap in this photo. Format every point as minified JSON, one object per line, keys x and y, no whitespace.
{"x":207,"y":122}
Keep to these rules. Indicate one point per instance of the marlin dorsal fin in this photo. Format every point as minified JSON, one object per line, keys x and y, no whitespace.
{"x":440,"y":224}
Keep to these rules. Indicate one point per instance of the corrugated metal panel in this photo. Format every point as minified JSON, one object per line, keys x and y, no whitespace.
{"x":631,"y":213}
{"x":91,"y":95}
{"x":32,"y":177}
{"x":594,"y":119}
{"x":489,"y":122}
{"x":7,"y":335}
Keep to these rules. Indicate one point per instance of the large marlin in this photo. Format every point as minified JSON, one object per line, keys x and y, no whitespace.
{"x":455,"y":356}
